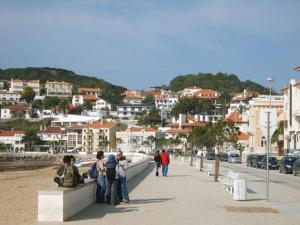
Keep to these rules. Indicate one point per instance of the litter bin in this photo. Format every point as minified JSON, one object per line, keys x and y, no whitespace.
{"x":240,"y":189}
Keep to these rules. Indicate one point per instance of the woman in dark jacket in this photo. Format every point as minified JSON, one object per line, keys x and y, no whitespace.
{"x":157,"y":161}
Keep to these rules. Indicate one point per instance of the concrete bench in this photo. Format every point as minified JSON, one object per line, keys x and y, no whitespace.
{"x":208,"y":169}
{"x":56,"y":204}
{"x":228,"y":180}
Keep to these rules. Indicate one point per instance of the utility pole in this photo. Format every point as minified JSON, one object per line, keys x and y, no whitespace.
{"x":268,"y":142}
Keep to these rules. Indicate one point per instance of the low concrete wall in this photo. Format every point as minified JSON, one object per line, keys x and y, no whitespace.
{"x":56,"y":204}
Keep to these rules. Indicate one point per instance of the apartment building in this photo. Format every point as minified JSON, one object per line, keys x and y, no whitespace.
{"x":58,"y":89}
{"x":99,"y":135}
{"x":189,"y":91}
{"x":165,"y":102}
{"x":135,"y":139}
{"x":19,"y":85}
{"x":291,"y":93}
{"x":257,"y":140}
{"x":129,"y":110}
{"x":9,"y":97}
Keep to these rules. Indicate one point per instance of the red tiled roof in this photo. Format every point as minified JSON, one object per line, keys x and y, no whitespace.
{"x":235,"y":117}
{"x":78,"y":126}
{"x":242,"y":136}
{"x":10,"y":133}
{"x":179,"y":131}
{"x":139,"y":129}
{"x":15,"y":107}
{"x":16,"y":81}
{"x":206,"y":92}
{"x":52,"y":130}
{"x":98,"y":125}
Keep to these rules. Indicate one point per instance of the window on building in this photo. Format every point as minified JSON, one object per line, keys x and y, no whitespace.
{"x":263,"y":141}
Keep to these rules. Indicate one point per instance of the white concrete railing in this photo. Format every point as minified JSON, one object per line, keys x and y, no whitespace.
{"x":56,"y":204}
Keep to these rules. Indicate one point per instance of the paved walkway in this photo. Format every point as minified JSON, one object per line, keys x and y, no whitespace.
{"x":185,"y":197}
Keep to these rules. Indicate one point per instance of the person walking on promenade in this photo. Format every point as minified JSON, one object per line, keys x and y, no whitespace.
{"x":101,"y":183}
{"x":157,"y":162}
{"x":165,"y":160}
{"x":121,"y":170}
{"x":111,"y":180}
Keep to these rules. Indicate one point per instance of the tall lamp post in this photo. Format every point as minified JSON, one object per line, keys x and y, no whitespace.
{"x":270,"y":80}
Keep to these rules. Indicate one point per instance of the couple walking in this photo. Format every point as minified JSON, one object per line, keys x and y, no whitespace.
{"x":111,"y":180}
{"x":162,"y":159}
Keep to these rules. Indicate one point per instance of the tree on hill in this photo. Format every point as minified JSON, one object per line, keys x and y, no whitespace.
{"x":37,"y":104}
{"x":28,"y":94}
{"x":87,"y":105}
{"x":51,"y":102}
{"x":152,"y":118}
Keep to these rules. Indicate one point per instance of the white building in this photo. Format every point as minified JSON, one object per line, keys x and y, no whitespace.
{"x":165,"y":102}
{"x":133,"y":100}
{"x":71,"y":120}
{"x":257,"y":139}
{"x":5,"y":113}
{"x":292,"y":115}
{"x":12,"y":139}
{"x":9,"y":97}
{"x":135,"y":139}
{"x":131,"y":110}
{"x":54,"y":137}
{"x":190,"y":91}
{"x":19,"y":85}
{"x":77,"y":100}
{"x":102,"y":104}
{"x":58,"y":89}
{"x":90,"y":91}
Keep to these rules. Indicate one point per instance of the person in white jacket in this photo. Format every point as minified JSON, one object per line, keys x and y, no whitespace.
{"x":121,"y":171}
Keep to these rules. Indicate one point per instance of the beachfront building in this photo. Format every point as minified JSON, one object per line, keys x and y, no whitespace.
{"x":135,"y":139}
{"x":54,"y":138}
{"x":291,"y":93}
{"x":99,"y":135}
{"x":19,"y":85}
{"x":58,"y":89}
{"x":13,"y":140}
{"x":74,"y":137}
{"x":258,"y":141}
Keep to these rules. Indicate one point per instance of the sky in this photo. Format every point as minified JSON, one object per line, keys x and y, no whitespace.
{"x":142,"y":43}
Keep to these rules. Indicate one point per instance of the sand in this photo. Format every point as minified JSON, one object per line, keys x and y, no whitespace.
{"x":19,"y":193}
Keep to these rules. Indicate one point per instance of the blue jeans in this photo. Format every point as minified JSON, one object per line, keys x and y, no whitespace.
{"x":123,"y":193}
{"x":164,"y":170}
{"x":111,"y":191}
{"x":101,"y":186}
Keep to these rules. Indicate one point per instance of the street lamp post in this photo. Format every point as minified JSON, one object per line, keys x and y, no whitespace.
{"x":268,"y":141}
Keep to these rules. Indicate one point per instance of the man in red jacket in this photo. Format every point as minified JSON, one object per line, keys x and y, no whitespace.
{"x":165,"y":160}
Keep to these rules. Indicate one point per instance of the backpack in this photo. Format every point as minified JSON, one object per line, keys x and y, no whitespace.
{"x":68,"y":179}
{"x":111,"y":173}
{"x":93,"y":173}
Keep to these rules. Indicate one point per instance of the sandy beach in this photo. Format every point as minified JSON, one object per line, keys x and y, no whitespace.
{"x":18,"y":194}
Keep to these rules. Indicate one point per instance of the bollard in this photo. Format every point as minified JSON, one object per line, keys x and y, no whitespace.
{"x":201,"y":162}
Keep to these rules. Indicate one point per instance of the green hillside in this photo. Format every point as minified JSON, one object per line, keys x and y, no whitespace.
{"x":220,"y":81}
{"x":43,"y":74}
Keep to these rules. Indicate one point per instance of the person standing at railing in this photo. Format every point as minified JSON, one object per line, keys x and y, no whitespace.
{"x":101,"y":183}
{"x":122,"y":167}
{"x":165,"y":161}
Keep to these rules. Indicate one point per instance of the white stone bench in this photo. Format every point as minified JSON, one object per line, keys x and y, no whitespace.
{"x":208,"y":169}
{"x":228,"y":180}
{"x":56,"y":204}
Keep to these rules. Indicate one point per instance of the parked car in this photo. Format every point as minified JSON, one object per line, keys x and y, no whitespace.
{"x":296,"y":167}
{"x":256,"y":161}
{"x":286,"y":164}
{"x":273,"y":162}
{"x":210,"y":156}
{"x":249,"y":160}
{"x":223,"y":157}
{"x":234,"y":158}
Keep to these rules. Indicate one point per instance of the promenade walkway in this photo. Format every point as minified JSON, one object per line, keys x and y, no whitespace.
{"x":185,"y":197}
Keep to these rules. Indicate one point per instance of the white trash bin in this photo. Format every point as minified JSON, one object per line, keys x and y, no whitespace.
{"x":240,"y":189}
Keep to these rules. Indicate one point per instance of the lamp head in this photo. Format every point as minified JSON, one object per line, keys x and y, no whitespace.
{"x":270,"y":79}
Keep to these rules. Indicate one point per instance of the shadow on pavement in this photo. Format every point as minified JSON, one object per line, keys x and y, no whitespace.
{"x":97,"y":211}
{"x":145,"y":201}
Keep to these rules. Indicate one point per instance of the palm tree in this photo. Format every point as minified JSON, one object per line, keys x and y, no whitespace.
{"x":30,"y":139}
{"x":276,"y":137}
